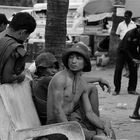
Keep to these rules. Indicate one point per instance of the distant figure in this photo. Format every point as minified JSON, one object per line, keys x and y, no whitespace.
{"x":104,"y":45}
{"x":123,"y":27}
{"x":12,"y":52}
{"x":126,"y":25}
{"x":128,"y":52}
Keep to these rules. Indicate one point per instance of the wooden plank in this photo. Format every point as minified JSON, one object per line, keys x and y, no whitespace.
{"x":18,"y":102}
{"x":5,"y":123}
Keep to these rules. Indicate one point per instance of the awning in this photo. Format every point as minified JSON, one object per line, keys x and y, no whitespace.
{"x":95,"y":7}
{"x":98,"y":7}
{"x":97,"y":17}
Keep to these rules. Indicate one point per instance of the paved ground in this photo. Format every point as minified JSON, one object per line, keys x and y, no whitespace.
{"x":124,"y":127}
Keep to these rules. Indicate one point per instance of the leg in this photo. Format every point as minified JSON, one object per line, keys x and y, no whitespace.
{"x":133,"y":76}
{"x":126,"y":71}
{"x":93,"y":97}
{"x":94,"y":100}
{"x":118,"y":72}
{"x":136,"y":109}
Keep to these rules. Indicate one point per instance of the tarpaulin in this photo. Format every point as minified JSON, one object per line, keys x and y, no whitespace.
{"x":98,"y":7}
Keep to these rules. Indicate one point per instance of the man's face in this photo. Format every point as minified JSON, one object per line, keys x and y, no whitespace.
{"x":127,"y":18}
{"x":75,"y":62}
{"x":23,"y":35}
{"x":3,"y":27}
{"x":52,"y":70}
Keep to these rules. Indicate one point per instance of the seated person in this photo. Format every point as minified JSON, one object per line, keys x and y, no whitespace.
{"x":68,"y":96}
{"x":46,"y":67}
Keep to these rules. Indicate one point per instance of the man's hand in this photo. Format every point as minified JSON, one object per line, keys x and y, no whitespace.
{"x":107,"y":129}
{"x":20,"y":78}
{"x":104,"y":83}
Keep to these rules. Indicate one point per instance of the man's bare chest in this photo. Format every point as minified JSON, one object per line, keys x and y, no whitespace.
{"x":73,"y":90}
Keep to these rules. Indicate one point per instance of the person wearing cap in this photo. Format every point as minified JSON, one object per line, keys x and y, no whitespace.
{"x":12,"y":53}
{"x":128,"y":52}
{"x":3,"y":22}
{"x":68,"y":95}
{"x":46,"y":67}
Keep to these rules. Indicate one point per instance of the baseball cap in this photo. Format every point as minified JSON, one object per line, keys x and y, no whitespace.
{"x":45,"y":59}
{"x":3,"y":19}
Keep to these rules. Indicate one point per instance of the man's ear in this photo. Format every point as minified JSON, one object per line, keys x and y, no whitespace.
{"x":22,"y":31}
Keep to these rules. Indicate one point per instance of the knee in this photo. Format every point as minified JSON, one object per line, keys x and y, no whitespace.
{"x":93,"y":89}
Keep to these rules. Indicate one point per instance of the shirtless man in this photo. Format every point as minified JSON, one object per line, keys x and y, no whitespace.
{"x":68,"y":95}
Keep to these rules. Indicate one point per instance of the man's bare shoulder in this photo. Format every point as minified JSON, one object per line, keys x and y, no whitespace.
{"x":84,"y":83}
{"x":59,"y":78}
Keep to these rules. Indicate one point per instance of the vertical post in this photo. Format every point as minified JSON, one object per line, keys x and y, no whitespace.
{"x":91,"y":44}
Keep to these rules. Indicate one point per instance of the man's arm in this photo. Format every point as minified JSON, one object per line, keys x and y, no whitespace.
{"x":126,"y":44}
{"x":118,"y":30}
{"x":8,"y":72}
{"x":103,"y":83}
{"x":57,"y":86}
{"x":92,"y":117}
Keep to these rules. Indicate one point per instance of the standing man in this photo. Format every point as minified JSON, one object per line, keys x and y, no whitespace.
{"x":126,"y":25}
{"x":123,"y":27}
{"x":12,"y":52}
{"x":68,"y":95}
{"x":128,"y":52}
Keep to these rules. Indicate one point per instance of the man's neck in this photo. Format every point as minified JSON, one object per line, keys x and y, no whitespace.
{"x":14,"y":35}
{"x":74,"y":73}
{"x":127,"y":22}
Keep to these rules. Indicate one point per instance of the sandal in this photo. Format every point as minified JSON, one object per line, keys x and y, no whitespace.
{"x":135,"y":117}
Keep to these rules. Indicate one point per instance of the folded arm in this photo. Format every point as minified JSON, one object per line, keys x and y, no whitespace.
{"x":103,"y":83}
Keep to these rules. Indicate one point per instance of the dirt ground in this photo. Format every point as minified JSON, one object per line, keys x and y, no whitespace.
{"x":124,"y":127}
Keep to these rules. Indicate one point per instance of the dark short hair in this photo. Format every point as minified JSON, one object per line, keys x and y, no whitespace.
{"x":23,"y":20}
{"x":3,"y":19}
{"x":129,"y":13}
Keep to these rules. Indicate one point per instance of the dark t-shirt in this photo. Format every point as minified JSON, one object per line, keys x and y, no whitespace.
{"x":130,"y":45}
{"x":40,"y":90}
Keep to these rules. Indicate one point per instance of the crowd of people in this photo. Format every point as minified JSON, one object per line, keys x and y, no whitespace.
{"x":68,"y":95}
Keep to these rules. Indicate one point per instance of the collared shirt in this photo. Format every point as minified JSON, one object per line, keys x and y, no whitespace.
{"x":123,"y":28}
{"x":130,"y":45}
